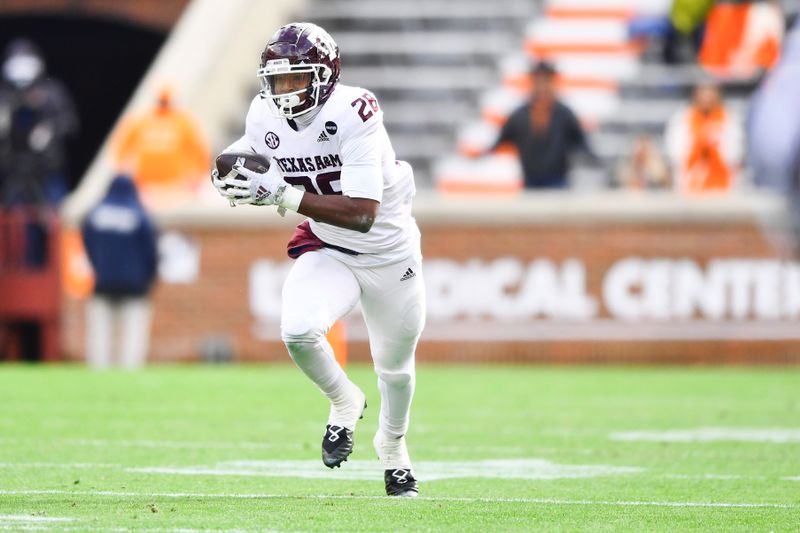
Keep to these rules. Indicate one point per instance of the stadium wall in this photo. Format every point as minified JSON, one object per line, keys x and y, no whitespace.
{"x":158,"y":14}
{"x":552,"y":278}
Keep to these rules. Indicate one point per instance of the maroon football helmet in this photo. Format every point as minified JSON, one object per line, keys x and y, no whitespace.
{"x":303,"y":48}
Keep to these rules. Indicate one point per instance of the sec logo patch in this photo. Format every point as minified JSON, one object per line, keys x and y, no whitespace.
{"x":272,"y":140}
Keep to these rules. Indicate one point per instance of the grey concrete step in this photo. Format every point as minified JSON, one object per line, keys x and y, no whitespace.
{"x":420,"y":9}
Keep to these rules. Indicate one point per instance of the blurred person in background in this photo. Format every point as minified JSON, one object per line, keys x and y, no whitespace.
{"x":704,"y":144}
{"x":742,"y":38}
{"x":120,"y":242}
{"x":644,"y":168}
{"x":687,"y":20}
{"x":165,"y":151}
{"x":544,"y":132}
{"x":37,"y":116}
{"x":773,"y":128}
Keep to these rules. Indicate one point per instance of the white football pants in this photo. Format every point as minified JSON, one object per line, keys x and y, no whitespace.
{"x":320,"y":289}
{"x":126,"y":319}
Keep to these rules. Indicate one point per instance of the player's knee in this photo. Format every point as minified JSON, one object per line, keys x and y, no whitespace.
{"x":300,"y":330}
{"x":413,"y":320}
{"x":396,"y":378}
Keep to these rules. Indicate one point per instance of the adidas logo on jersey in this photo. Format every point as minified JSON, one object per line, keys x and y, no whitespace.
{"x":323,"y":137}
{"x":408,"y":275}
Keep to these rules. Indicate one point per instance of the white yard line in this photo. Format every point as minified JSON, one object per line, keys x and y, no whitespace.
{"x":145,"y":443}
{"x":83,"y":529}
{"x":48,"y":523}
{"x":724,"y":477}
{"x":194,"y":445}
{"x":190,"y":470}
{"x":529,"y":468}
{"x":712,"y":434}
{"x":367,"y":470}
{"x":22,"y":518}
{"x":59,"y":465}
{"x":266,"y":496}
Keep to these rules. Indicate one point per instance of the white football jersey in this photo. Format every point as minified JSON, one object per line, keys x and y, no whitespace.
{"x":344,"y":150}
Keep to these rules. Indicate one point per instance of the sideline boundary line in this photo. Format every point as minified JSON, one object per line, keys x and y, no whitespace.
{"x":266,"y":496}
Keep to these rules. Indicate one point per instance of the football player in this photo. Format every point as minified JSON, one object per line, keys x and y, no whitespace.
{"x":332,"y":161}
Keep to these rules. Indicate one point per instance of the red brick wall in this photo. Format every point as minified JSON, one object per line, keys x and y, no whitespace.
{"x":217,"y":303}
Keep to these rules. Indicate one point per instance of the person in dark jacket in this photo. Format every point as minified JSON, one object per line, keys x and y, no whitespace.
{"x":37,"y":116}
{"x":120,"y":241}
{"x":544,"y":132}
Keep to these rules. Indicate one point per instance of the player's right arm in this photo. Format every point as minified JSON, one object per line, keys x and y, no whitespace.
{"x":357,"y":214}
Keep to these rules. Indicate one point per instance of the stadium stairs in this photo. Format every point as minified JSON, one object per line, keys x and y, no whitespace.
{"x":427,"y":61}
{"x":615,"y":81}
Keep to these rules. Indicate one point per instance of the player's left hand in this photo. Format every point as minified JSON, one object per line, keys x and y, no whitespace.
{"x":217,"y":181}
{"x":250,"y":187}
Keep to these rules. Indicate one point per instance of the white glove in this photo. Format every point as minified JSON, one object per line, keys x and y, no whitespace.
{"x":219,"y":182}
{"x":266,"y":188}
{"x":250,"y":187}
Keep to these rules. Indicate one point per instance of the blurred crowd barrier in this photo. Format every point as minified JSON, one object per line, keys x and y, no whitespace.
{"x":617,"y":277}
{"x":30,"y":284}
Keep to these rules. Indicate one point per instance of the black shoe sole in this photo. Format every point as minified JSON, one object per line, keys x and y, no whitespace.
{"x":335,"y":462}
{"x":405,"y":494}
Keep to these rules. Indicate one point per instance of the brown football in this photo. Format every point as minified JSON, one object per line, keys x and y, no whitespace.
{"x":249,"y":160}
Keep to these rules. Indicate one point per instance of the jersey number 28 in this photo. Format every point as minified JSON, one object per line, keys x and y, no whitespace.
{"x":366,"y":104}
{"x":324,"y":182}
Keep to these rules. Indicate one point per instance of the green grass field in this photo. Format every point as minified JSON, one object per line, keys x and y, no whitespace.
{"x":496,"y":449}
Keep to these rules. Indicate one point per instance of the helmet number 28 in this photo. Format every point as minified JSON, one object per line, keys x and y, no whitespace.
{"x":325,"y":181}
{"x":366,"y":104}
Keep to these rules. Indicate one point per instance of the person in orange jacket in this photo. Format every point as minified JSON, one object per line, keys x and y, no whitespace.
{"x":742,"y":38}
{"x":705,"y":144}
{"x":165,"y":151}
